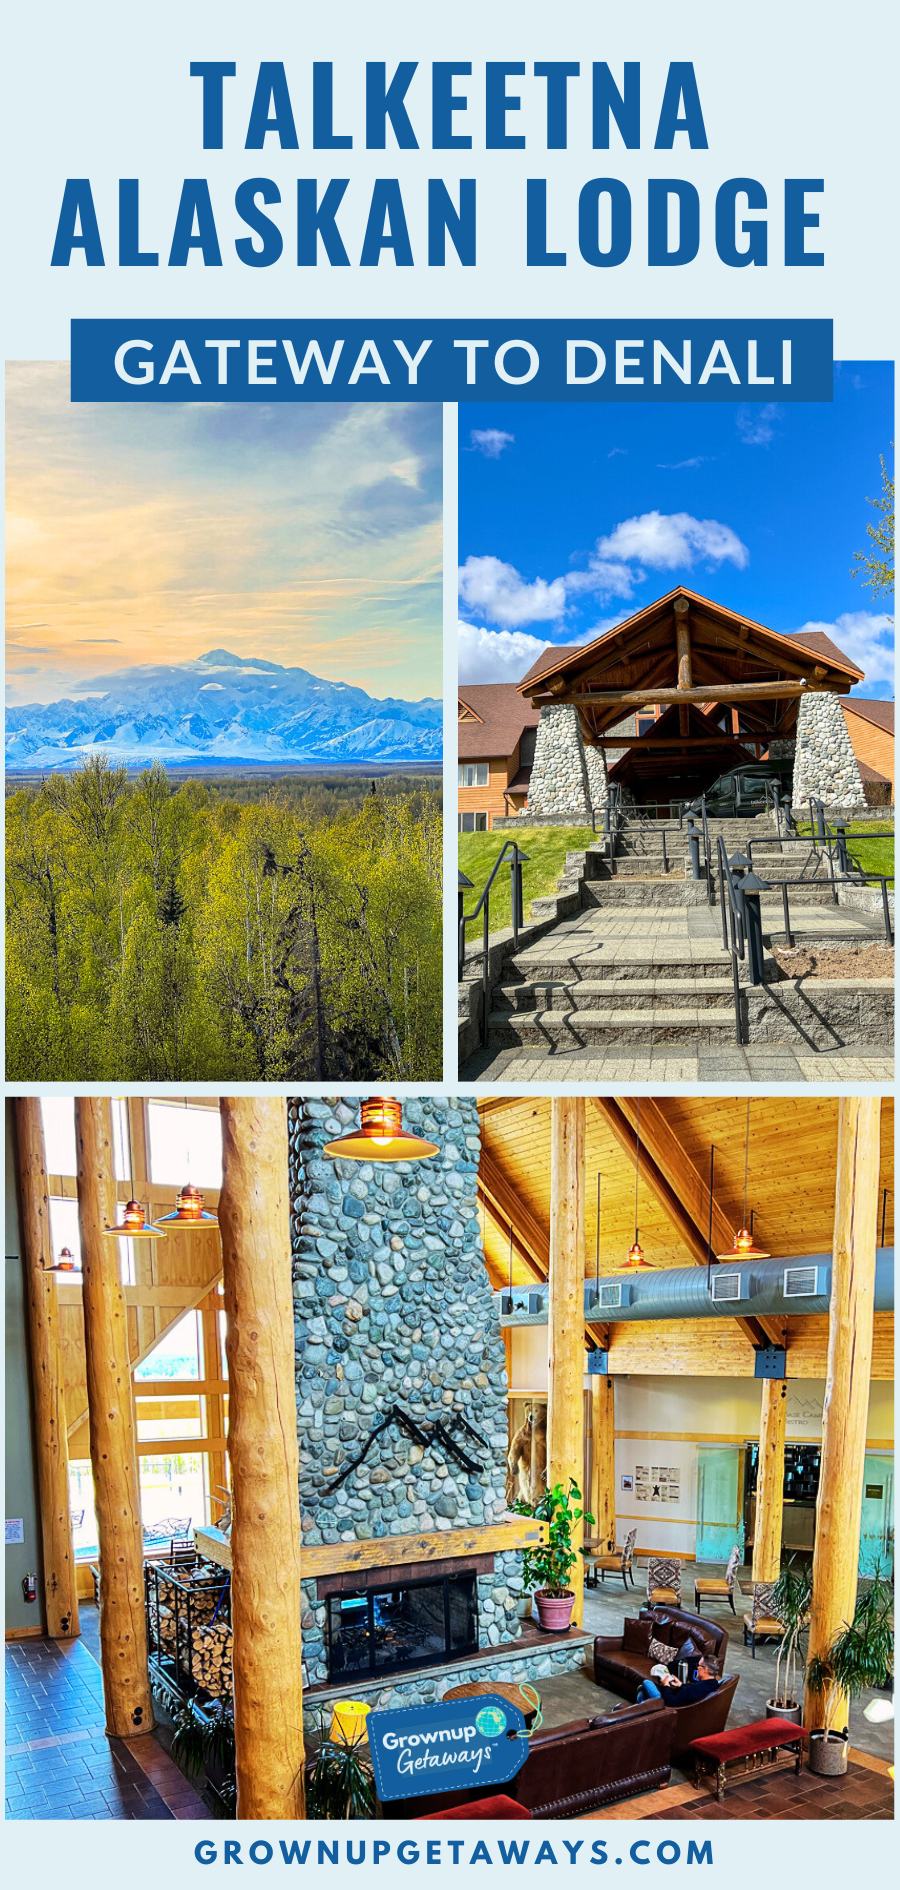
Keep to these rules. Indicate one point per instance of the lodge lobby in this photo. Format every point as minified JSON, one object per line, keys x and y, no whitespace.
{"x":683,"y":1309}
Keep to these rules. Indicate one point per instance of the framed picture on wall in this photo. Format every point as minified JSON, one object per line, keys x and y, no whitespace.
{"x":628,"y":1483}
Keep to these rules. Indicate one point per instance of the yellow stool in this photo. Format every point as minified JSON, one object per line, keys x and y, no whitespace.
{"x":348,"y":1721}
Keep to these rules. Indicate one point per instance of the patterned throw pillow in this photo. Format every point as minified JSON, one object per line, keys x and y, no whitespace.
{"x":659,"y":1653}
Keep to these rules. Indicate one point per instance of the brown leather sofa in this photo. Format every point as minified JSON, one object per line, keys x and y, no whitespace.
{"x":572,"y":1769}
{"x":621,"y":1661}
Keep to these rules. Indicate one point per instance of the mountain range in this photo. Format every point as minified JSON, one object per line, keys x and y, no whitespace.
{"x":222,"y":708}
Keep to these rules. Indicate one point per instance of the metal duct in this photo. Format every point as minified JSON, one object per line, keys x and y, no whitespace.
{"x":800,"y":1283}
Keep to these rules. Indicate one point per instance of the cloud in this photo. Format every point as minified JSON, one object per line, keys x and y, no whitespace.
{"x":98,"y":639}
{"x":665,"y":541}
{"x":685,"y":465}
{"x":614,"y":452}
{"x":490,"y":441}
{"x":867,"y":637}
{"x":496,"y":656}
{"x":505,"y":656}
{"x":492,"y":589}
{"x":756,"y":425}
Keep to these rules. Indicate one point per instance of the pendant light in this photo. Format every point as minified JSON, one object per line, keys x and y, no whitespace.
{"x":636,"y":1251}
{"x":189,"y":1210}
{"x":135,"y":1225}
{"x":65,"y":1264}
{"x":745,"y":1247}
{"x":381,"y":1136}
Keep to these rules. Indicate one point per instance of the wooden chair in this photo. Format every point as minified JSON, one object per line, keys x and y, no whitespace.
{"x":614,"y":1560}
{"x":762,"y":1623}
{"x":718,"y":1587}
{"x":663,"y":1582}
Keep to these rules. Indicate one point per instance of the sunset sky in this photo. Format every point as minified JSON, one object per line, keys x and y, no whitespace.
{"x":309,"y":535}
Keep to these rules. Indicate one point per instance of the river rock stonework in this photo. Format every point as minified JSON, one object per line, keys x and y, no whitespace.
{"x":559,"y":777}
{"x":824,"y":763}
{"x":392,"y":1304}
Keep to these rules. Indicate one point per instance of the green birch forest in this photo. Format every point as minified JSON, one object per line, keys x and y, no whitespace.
{"x":181,"y":933}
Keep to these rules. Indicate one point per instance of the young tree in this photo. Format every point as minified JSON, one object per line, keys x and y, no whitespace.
{"x":878,"y":561}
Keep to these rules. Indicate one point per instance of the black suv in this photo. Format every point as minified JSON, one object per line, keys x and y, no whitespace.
{"x":742,"y":791}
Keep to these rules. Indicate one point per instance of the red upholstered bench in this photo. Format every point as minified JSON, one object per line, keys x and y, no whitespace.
{"x":498,"y":1807}
{"x":758,"y":1745}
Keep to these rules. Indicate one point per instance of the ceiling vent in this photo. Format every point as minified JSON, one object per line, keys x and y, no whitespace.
{"x":801,"y":1282}
{"x":727,"y":1286}
{"x":614,"y":1294}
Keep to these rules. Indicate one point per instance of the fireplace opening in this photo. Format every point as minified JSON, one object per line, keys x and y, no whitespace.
{"x":376,"y":1630}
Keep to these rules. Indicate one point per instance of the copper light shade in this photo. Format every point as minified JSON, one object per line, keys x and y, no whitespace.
{"x":381,"y":1136}
{"x":636,"y":1251}
{"x":189,"y":1210}
{"x":65,"y":1264}
{"x":744,"y":1246}
{"x":135,"y":1224}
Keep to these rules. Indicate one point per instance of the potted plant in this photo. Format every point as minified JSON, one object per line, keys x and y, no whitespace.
{"x":860,"y":1656}
{"x":339,"y":1782}
{"x":791,"y":1597}
{"x":546,"y":1569}
{"x":204,"y":1742}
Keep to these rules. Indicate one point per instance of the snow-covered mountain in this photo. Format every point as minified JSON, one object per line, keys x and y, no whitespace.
{"x":226,"y":709}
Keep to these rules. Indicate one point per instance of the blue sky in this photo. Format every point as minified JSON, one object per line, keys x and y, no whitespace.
{"x":310,"y":535}
{"x":572,"y":517}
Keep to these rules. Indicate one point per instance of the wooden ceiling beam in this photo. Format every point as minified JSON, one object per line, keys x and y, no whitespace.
{"x":500,"y":1197}
{"x":806,"y":662}
{"x":675,"y":1165}
{"x":707,"y":692}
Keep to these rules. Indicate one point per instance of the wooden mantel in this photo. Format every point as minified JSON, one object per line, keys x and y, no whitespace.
{"x":337,"y":1558}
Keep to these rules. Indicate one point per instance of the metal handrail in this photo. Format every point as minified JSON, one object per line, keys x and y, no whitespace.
{"x":733,"y":937}
{"x":517,"y":859}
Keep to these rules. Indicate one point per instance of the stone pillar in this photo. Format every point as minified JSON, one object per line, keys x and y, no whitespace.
{"x":559,"y":777}
{"x":824,"y":762}
{"x":598,"y":781}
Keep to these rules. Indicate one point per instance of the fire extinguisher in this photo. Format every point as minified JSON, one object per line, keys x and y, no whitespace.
{"x":29,"y":1587}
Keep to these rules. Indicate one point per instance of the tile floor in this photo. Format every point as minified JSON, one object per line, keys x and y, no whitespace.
{"x":59,"y":1761}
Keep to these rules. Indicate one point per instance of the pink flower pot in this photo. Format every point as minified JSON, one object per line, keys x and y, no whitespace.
{"x":554,"y":1611}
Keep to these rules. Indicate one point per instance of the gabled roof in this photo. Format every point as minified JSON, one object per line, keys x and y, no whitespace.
{"x":588,"y":657}
{"x":880,"y":714}
{"x":502,"y":716}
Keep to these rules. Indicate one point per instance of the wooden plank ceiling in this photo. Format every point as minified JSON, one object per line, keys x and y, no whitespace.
{"x":793,"y":1152}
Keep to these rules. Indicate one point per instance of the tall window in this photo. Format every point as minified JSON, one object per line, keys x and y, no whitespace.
{"x":185,"y":1144}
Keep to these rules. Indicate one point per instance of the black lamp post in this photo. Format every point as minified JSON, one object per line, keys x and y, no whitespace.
{"x":465,"y":885}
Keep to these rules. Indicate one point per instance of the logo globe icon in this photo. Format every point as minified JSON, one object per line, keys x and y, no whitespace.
{"x":491,"y":1721}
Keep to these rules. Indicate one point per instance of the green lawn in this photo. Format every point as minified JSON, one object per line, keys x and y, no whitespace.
{"x":546,"y":848}
{"x":875,"y":854}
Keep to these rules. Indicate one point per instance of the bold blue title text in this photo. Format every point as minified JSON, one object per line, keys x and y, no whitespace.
{"x":447,"y":110}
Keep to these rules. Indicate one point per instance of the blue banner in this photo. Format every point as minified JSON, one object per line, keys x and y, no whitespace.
{"x":638,"y":359}
{"x":417,"y":1750}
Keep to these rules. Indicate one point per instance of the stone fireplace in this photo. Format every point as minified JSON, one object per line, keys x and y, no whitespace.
{"x":399,"y":1354}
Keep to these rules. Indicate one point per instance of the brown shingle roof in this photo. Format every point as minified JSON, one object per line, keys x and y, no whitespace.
{"x":818,"y":641}
{"x":880,"y":714}
{"x":553,"y":649}
{"x":502,"y":716}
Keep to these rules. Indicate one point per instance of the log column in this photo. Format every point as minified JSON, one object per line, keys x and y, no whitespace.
{"x":565,"y":1412}
{"x":850,"y":1324}
{"x":770,"y":1481}
{"x":683,"y":652}
{"x":262,"y":1443}
{"x":603,"y":1461}
{"x":51,"y":1445}
{"x":117,"y":1503}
